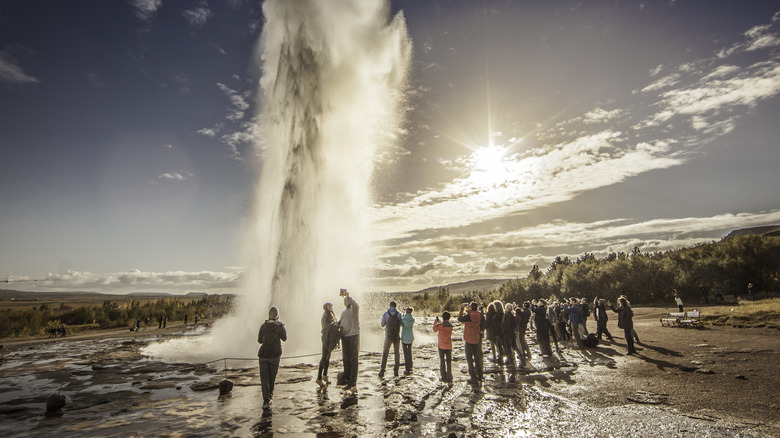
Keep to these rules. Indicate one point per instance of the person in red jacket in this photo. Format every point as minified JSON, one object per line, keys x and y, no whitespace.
{"x":445,"y":346}
{"x":472,"y":339}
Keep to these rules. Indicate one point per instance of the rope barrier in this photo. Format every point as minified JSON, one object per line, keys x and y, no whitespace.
{"x":225,"y":359}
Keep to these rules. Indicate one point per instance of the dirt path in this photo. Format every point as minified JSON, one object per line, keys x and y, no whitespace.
{"x":711,"y":373}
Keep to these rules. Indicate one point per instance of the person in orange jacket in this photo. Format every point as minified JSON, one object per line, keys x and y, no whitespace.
{"x":445,"y":346}
{"x":472,"y":339}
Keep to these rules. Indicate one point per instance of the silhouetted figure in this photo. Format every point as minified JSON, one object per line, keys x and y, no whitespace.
{"x":270,"y":337}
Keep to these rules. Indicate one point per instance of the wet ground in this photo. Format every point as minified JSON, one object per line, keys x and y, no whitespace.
{"x":111,"y":390}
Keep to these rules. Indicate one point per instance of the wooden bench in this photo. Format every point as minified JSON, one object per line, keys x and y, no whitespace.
{"x":672,"y":318}
{"x":682,"y":319}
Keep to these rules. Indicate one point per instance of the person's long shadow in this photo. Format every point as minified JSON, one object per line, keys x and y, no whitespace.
{"x":661,"y":364}
{"x":662,"y":350}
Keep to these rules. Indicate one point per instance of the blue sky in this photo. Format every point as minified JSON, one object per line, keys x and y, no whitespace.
{"x":533,"y":129}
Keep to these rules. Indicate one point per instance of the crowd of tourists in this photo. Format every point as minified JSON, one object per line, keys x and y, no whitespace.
{"x":504,"y":326}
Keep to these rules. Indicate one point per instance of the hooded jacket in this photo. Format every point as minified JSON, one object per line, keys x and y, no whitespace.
{"x":270,"y":336}
{"x":392,"y":312}
{"x":407,"y":323}
{"x":445,"y":334}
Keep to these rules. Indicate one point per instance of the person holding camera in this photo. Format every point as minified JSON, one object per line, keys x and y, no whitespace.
{"x":472,"y":338}
{"x":445,"y":346}
{"x":350,"y":341}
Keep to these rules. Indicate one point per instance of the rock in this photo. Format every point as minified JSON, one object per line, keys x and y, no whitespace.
{"x":705,"y":371}
{"x":741,"y":377}
{"x":55,"y":403}
{"x":389,"y":415}
{"x":225,"y":387}
{"x":650,"y":398}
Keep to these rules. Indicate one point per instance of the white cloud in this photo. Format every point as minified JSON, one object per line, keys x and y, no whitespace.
{"x":176,"y":176}
{"x":238,"y":101}
{"x":462,"y":257}
{"x":12,"y":73}
{"x":135,"y":280}
{"x":664,"y":82}
{"x":599,"y":115}
{"x":145,"y":9}
{"x":547,"y":175}
{"x":198,"y":15}
{"x":716,"y":93}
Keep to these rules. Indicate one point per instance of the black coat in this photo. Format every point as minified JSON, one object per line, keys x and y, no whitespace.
{"x":270,"y":336}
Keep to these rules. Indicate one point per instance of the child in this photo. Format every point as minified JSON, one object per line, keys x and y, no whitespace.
{"x":445,"y":346}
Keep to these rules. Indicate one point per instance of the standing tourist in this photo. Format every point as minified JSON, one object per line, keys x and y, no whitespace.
{"x":626,"y":322}
{"x":490,"y":334}
{"x":472,"y":339}
{"x":522,"y":316}
{"x":330,"y":339}
{"x":678,"y":300}
{"x":542,"y":328}
{"x":444,"y":328}
{"x":350,"y":341}
{"x":752,"y":291}
{"x":600,"y":314}
{"x":508,"y":333}
{"x":407,"y":337}
{"x":575,"y":320}
{"x":270,"y":337}
{"x":391,"y":321}
{"x":584,"y":313}
{"x":556,"y":324}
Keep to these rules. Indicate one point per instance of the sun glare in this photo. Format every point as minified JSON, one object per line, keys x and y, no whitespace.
{"x":488,"y":165}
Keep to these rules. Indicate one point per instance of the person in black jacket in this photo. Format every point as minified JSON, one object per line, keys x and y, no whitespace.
{"x":270,"y":336}
{"x":330,"y":339}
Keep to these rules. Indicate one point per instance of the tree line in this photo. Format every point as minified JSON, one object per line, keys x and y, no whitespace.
{"x":726,"y":266}
{"x":111,"y":314}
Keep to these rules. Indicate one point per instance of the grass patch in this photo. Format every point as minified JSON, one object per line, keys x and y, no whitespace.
{"x":762,"y":313}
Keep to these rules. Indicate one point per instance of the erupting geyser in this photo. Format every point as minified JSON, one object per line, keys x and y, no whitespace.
{"x":333,"y":79}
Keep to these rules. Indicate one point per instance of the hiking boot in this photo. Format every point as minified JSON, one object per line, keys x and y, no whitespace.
{"x":381,"y":374}
{"x":321,"y":383}
{"x":325,"y":379}
{"x":351,"y":390}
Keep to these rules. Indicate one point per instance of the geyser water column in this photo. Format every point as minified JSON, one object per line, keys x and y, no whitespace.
{"x":333,"y":80}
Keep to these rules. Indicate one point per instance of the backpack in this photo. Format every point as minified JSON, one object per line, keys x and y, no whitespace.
{"x":393,"y":325}
{"x":591,"y":340}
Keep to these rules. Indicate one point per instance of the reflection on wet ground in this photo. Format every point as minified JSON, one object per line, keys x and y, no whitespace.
{"x":112,"y":391}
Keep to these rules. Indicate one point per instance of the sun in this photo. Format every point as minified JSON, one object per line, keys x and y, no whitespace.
{"x":488,"y":164}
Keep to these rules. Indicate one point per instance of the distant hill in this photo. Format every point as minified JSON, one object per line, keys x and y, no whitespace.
{"x":15,"y":295}
{"x":768,"y":230}
{"x":466,"y":286}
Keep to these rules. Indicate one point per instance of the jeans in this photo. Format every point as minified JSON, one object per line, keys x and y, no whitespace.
{"x":523,"y":344}
{"x":629,"y":340}
{"x":350,"y":348}
{"x":445,"y":364}
{"x":268,"y":370}
{"x":386,"y":350}
{"x":575,"y":332}
{"x":407,"y":348}
{"x":324,"y":363}
{"x":474,"y":359}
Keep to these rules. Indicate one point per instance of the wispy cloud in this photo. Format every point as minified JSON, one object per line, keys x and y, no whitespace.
{"x":237,"y":100}
{"x":525,"y":181}
{"x":477,"y":255}
{"x":12,"y":73}
{"x":135,"y":280}
{"x":197,"y":16}
{"x":175,"y":176}
{"x":145,"y":9}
